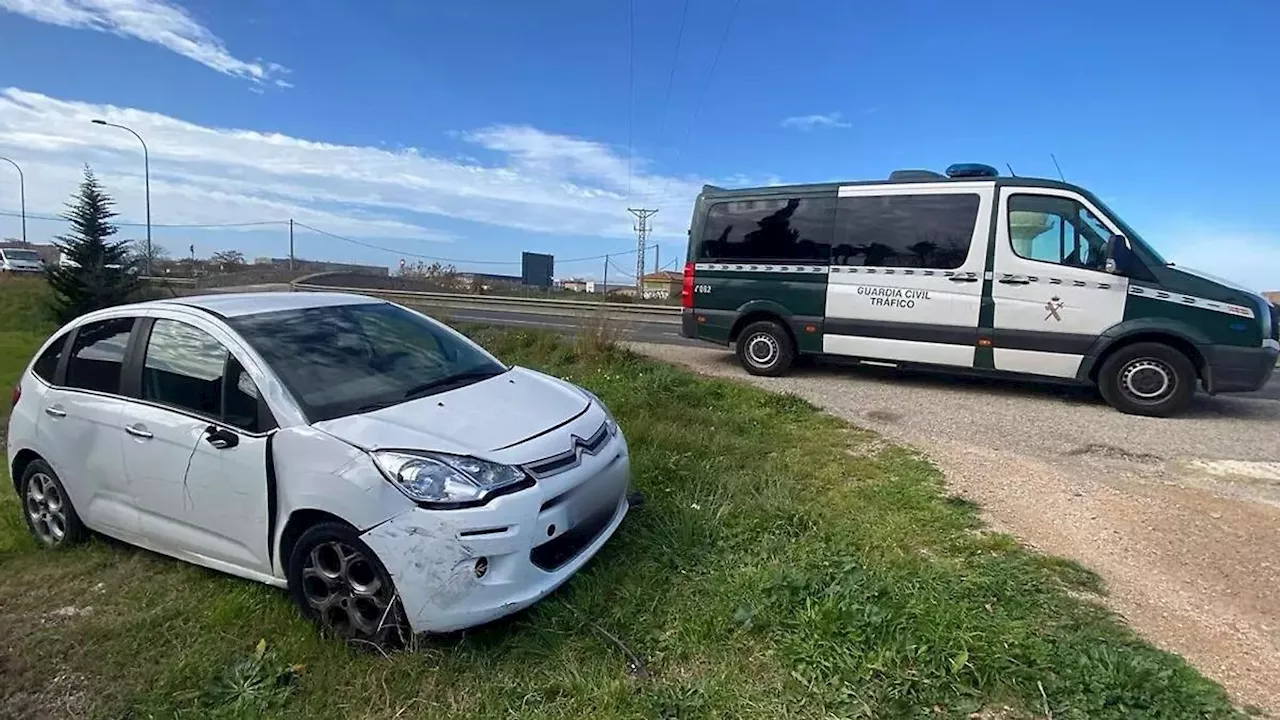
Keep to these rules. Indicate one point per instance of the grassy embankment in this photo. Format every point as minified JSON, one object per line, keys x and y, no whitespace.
{"x":785,"y":565}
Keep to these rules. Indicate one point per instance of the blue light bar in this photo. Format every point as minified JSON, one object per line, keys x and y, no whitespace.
{"x":972,"y":170}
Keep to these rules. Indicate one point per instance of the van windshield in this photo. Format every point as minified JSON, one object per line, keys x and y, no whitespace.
{"x":1129,"y":232}
{"x":23,"y":255}
{"x":347,"y":359}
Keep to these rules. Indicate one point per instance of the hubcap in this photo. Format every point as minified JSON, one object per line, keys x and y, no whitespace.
{"x":1148,"y":380}
{"x":47,"y":509}
{"x":343,"y":587}
{"x":762,"y":349}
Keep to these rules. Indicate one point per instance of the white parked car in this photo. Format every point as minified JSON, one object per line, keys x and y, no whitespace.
{"x":381,"y":466}
{"x":20,"y":260}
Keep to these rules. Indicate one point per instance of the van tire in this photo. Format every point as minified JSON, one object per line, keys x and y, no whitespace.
{"x":1148,"y":378}
{"x":765,"y":348}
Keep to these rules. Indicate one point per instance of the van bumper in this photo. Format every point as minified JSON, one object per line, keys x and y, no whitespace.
{"x":1239,"y":369}
{"x":688,"y":325}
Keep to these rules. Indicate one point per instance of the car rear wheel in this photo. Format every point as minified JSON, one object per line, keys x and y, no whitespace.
{"x":1149,"y":379}
{"x":765,"y":348}
{"x":340,"y":584}
{"x":48,"y":510}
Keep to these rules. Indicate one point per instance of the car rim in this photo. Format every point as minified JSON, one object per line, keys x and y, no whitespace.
{"x":1147,"y":380}
{"x":762,"y":350}
{"x":47,"y":509}
{"x":345,"y":590}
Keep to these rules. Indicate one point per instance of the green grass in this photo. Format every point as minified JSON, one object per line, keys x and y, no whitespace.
{"x":785,"y":565}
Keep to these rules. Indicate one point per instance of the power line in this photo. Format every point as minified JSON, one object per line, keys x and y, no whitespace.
{"x":631,"y":89}
{"x":452,"y":261}
{"x":54,"y":218}
{"x":671,"y":78}
{"x":697,"y":109}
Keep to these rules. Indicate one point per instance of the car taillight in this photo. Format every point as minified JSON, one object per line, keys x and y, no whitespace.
{"x":17,"y":395}
{"x":686,"y":292}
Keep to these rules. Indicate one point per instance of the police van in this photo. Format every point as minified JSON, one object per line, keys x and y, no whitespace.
{"x":973,"y":272}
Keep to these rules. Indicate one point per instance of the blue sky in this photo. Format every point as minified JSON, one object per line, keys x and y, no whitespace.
{"x":475,"y":130}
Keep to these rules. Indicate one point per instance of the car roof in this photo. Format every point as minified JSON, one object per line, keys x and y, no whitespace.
{"x":252,"y":303}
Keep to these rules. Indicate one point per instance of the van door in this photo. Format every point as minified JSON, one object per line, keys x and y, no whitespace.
{"x":905,"y":281}
{"x":1051,"y":294}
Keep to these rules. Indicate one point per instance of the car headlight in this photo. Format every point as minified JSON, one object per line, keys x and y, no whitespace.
{"x":448,"y":481}
{"x":608,"y":416}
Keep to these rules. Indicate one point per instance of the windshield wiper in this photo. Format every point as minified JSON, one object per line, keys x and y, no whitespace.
{"x":450,"y":382}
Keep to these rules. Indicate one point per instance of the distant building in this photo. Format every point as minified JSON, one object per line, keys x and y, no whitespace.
{"x":592,"y":286}
{"x":573,"y":285}
{"x":662,"y":284}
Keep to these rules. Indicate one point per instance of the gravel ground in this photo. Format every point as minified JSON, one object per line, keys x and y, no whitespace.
{"x":1181,"y":517}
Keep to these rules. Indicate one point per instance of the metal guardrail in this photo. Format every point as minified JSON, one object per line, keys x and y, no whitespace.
{"x":533,"y":305}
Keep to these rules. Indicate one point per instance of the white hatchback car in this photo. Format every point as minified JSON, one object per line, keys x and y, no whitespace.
{"x":383,"y":467}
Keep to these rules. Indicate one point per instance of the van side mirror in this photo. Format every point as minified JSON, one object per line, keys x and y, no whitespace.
{"x":1120,"y":257}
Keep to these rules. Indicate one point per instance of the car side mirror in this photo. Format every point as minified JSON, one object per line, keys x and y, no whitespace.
{"x":1120,"y":257}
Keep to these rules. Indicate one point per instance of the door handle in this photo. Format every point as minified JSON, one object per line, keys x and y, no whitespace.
{"x":962,"y":278}
{"x":221,"y":438}
{"x":138,"y":431}
{"x":1014,"y":281}
{"x":55,"y":411}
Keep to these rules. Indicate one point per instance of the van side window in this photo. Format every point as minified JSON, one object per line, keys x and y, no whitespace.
{"x":905,"y":231}
{"x":1056,"y":230}
{"x":794,"y":229}
{"x":97,"y":355}
{"x":46,"y":366}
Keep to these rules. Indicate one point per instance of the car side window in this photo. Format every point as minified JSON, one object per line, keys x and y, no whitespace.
{"x":97,"y":355}
{"x":1057,"y":230}
{"x":186,"y":368}
{"x":46,"y":366}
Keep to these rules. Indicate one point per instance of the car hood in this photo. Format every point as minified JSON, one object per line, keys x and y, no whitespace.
{"x":25,"y":264}
{"x":1183,"y":269}
{"x":489,"y":415}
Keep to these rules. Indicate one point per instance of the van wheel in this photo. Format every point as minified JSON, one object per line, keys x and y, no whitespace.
{"x":1149,"y":379}
{"x":765,"y":348}
{"x":50,"y":516}
{"x":340,"y":584}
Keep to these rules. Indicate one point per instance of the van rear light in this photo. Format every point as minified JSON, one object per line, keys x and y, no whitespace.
{"x":17,"y":395}
{"x":686,"y":292}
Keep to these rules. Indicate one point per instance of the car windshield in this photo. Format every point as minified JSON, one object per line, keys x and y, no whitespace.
{"x":24,"y":255}
{"x":345,"y":359}
{"x":1129,"y":232}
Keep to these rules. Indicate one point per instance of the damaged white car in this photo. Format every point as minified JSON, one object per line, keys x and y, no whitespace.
{"x":383,"y":467}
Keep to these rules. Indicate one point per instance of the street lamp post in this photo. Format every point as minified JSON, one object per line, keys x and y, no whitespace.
{"x":22,"y":196}
{"x":146,"y":175}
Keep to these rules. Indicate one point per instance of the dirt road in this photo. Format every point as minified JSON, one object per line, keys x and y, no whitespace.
{"x":1181,"y":517}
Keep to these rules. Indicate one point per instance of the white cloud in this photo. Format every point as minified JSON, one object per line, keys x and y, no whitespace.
{"x":155,"y":21}
{"x":813,"y":122}
{"x":532,"y":181}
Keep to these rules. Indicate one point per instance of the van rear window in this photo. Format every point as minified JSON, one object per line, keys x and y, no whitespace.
{"x":794,"y":229}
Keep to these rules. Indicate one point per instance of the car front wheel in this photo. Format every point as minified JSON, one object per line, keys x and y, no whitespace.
{"x":340,"y":584}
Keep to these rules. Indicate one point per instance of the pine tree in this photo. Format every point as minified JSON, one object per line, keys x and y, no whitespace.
{"x":97,"y":275}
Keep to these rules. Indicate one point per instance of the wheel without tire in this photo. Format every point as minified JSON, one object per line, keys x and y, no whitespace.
{"x":48,"y":510}
{"x":765,"y":348}
{"x":1150,"y":379}
{"x":339,"y":583}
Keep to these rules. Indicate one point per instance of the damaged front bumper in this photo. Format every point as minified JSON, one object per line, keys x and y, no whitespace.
{"x":455,"y":569}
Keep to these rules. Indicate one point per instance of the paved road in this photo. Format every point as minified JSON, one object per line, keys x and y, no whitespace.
{"x":668,"y":333}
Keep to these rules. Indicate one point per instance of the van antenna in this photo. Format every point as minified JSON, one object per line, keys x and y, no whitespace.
{"x":1059,"y":169}
{"x":1011,"y":172}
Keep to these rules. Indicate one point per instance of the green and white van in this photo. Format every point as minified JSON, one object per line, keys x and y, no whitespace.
{"x":973,"y":272}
